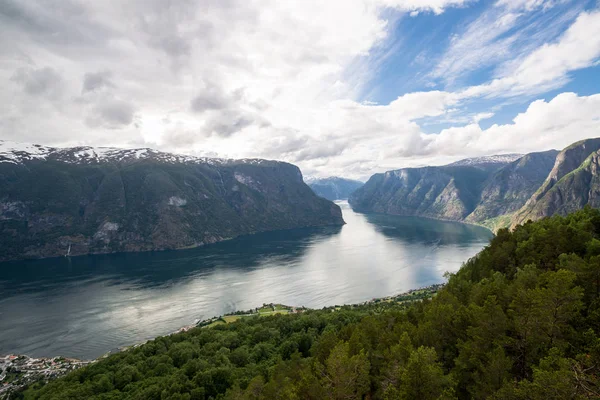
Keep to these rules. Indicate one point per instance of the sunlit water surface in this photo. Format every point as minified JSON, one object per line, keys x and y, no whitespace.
{"x":85,"y":306}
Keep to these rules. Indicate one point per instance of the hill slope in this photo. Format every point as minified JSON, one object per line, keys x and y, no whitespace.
{"x":572,"y":183}
{"x":334,"y":188}
{"x":111,"y":200}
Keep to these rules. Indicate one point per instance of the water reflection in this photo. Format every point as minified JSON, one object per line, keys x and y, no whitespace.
{"x":159,"y":268}
{"x":85,"y":306}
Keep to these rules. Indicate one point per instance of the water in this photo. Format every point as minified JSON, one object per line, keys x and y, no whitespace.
{"x":85,"y":306}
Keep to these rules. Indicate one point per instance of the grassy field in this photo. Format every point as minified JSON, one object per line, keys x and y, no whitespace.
{"x":275,"y":309}
{"x":265,"y":310}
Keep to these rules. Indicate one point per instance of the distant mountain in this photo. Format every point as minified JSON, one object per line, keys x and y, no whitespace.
{"x":483,"y":190}
{"x":334,"y":188}
{"x":573,"y":182}
{"x":101,"y":200}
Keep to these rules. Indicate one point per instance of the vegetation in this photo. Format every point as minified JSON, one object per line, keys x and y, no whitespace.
{"x":519,"y":321}
{"x":265,"y":310}
{"x":50,"y":208}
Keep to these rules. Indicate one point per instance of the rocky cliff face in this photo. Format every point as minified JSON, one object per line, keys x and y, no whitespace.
{"x":334,"y":188}
{"x":509,"y":188}
{"x":496,"y":192}
{"x":447,"y":192}
{"x":110,"y":200}
{"x":572,"y":183}
{"x":484,"y":190}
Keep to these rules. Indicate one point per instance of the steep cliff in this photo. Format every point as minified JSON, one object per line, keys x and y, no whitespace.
{"x":493,"y":191}
{"x":99,"y":200}
{"x":509,"y":188}
{"x":446,"y":192}
{"x":572,"y":183}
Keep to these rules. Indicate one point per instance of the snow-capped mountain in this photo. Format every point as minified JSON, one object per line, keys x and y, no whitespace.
{"x":486,"y":160}
{"x":15,"y":152}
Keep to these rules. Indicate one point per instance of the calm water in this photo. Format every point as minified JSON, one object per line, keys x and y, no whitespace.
{"x":85,"y":306}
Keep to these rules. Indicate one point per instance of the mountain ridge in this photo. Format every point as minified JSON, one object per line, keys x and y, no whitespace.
{"x":482,"y":190}
{"x":84,"y":201}
{"x":573,"y":182}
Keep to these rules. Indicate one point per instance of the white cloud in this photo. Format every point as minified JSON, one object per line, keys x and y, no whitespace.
{"x":481,"y":116}
{"x":548,"y":66}
{"x":502,"y":33}
{"x":557,"y":123}
{"x":481,"y":44}
{"x":214,"y":67}
{"x":436,"y":6}
{"x":262,"y":78}
{"x":528,"y":4}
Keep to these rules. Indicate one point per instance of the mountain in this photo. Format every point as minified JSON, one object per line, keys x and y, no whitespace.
{"x":482,"y":190}
{"x":334,"y":188}
{"x":447,"y":192}
{"x":496,"y":191}
{"x":573,"y":182}
{"x":87,"y":200}
{"x":507,"y":189}
{"x":487,"y":162}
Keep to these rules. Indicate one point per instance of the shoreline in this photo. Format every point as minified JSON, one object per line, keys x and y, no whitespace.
{"x":189,"y":247}
{"x":426,"y":217}
{"x":433,"y":289}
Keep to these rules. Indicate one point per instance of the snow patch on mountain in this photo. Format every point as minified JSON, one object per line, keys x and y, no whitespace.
{"x":17,"y":153}
{"x":495,"y":159}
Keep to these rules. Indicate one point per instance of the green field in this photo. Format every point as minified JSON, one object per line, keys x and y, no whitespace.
{"x":265,"y":310}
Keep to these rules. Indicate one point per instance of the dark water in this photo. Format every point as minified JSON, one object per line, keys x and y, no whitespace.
{"x":85,"y":306}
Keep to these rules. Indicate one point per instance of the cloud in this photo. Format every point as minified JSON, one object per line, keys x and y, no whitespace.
{"x":436,"y":6}
{"x":548,"y":66}
{"x":481,"y":116}
{"x":544,"y":125}
{"x":274,"y":79}
{"x":42,"y":81}
{"x":96,"y":81}
{"x":528,"y":5}
{"x":111,"y":113}
{"x":227,"y":123}
{"x":211,"y":97}
{"x":502,"y":33}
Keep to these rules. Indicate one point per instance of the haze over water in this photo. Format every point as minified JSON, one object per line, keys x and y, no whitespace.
{"x":85,"y":306}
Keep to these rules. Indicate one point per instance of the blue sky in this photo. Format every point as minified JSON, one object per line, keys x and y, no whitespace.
{"x":338,"y":87}
{"x":423,"y":43}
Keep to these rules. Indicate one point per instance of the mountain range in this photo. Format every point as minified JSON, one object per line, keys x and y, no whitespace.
{"x":84,"y":200}
{"x":495,"y":191}
{"x":334,"y":188}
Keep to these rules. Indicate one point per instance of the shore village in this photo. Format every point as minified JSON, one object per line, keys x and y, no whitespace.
{"x":19,"y":371}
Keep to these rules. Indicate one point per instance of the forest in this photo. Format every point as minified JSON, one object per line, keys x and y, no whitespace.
{"x":521,"y":320}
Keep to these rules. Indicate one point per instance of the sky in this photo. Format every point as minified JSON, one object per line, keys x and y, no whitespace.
{"x":338,"y":87}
